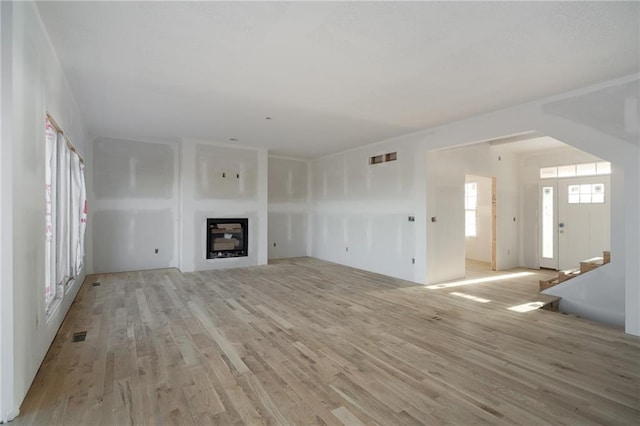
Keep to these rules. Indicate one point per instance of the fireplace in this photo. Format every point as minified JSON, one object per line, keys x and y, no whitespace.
{"x":227,"y":238}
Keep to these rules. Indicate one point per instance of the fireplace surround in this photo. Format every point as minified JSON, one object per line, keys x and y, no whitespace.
{"x":227,"y":238}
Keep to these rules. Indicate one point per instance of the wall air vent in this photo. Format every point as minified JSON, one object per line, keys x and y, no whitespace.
{"x":383,"y":158}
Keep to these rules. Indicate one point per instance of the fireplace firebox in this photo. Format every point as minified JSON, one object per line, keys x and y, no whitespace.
{"x":227,"y":238}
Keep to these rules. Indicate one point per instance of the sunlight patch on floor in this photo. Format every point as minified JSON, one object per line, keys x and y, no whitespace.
{"x":526,"y":307}
{"x":479,"y":280}
{"x":470,"y":297}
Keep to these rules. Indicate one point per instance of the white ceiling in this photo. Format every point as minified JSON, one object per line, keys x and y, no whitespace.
{"x":331,"y":75}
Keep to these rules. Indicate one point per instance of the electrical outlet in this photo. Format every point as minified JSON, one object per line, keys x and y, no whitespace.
{"x":413,"y":260}
{"x":156,"y":251}
{"x":274,"y":244}
{"x":346,"y":249}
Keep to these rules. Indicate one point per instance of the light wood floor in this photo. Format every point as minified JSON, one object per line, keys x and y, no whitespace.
{"x":303,"y":342}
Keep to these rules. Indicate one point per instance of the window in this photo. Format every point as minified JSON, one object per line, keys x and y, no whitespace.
{"x":470,"y":207}
{"x":65,"y":214}
{"x":586,"y":193}
{"x":573,"y":170}
{"x":603,"y":168}
{"x":567,"y":171}
{"x":548,"y":172}
{"x":588,"y":169}
{"x":547,"y":222}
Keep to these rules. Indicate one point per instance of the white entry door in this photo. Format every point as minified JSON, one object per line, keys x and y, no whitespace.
{"x":574,"y":220}
{"x":584,"y":219}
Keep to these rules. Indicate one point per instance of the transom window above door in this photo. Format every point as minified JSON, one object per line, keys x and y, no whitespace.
{"x":574,"y":170}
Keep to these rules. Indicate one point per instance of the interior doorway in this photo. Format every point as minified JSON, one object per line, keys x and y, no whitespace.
{"x":480,"y":221}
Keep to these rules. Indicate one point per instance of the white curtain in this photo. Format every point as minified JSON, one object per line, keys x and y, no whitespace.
{"x":50,"y":167}
{"x":83,"y":221}
{"x":63,"y":267}
{"x":66,"y":213}
{"x":74,"y":213}
{"x":77,"y":214}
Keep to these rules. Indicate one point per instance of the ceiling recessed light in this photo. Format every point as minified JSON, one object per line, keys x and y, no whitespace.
{"x":233,"y":140}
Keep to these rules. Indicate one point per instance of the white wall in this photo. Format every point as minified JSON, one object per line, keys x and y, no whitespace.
{"x":38,"y":86}
{"x":479,"y":247}
{"x":7,"y":406}
{"x":288,"y":207}
{"x":205,"y":193}
{"x":446,"y":170}
{"x":134,"y":205}
{"x":361,"y":211}
{"x":150,"y":195}
{"x":576,"y":118}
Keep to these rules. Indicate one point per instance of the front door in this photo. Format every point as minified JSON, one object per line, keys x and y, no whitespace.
{"x":574,"y":220}
{"x":583,"y":219}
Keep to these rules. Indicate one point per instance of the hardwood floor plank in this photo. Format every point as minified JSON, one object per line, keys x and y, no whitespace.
{"x":307,"y":342}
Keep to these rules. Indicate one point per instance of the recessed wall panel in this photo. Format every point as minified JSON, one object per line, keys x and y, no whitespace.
{"x":130,"y":169}
{"x":126,"y":240}
{"x":225,"y":173}
{"x":287,"y":234}
{"x":287,"y":180}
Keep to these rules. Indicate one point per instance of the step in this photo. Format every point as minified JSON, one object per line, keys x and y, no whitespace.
{"x":562,"y":276}
{"x":590,"y":264}
{"x":551,"y":305}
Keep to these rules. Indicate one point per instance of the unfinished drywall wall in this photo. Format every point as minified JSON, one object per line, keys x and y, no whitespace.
{"x":131,"y":240}
{"x":288,"y":207}
{"x":225,"y":173}
{"x":446,"y":170}
{"x":38,"y":86}
{"x":479,"y":246}
{"x":562,"y":117}
{"x":364,"y":214}
{"x":134,"y":204}
{"x":125,"y":169}
{"x":206,"y":193}
{"x":7,"y":404}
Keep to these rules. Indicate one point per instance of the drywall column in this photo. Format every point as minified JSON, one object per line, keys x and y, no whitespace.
{"x":633,"y":317}
{"x":8,"y":409}
{"x":632,"y":245}
{"x":288,"y":207}
{"x":263,"y":208}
